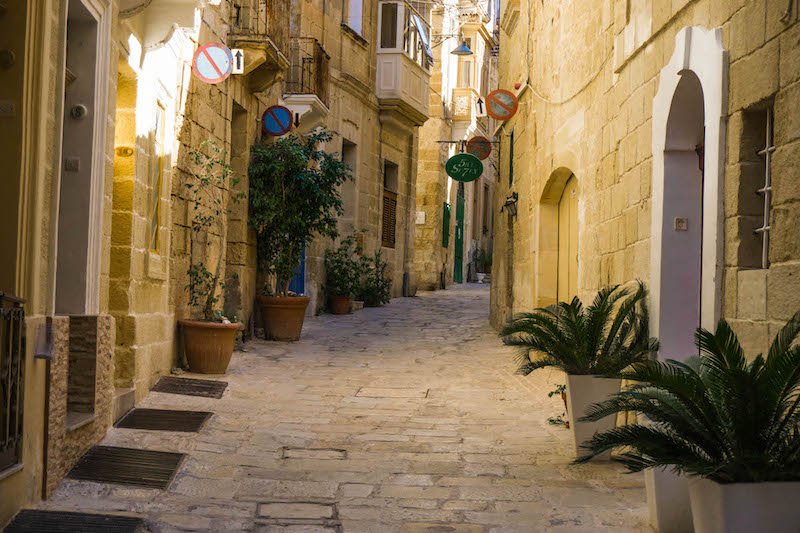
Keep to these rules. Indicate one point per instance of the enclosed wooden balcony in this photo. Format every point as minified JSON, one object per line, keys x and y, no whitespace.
{"x":404,"y":61}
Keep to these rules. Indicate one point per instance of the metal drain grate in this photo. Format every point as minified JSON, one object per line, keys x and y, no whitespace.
{"x":191,"y":387}
{"x":164,"y":420}
{"x":61,"y":522}
{"x":127,"y":466}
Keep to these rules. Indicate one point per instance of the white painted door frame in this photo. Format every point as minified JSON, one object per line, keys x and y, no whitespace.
{"x":700,"y":51}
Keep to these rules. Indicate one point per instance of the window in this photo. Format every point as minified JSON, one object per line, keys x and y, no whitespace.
{"x":445,"y":225}
{"x":465,"y":72}
{"x":753,"y":205}
{"x":511,"y":159}
{"x":348,"y":189}
{"x":487,"y":205}
{"x":354,"y":15}
{"x":389,"y":25}
{"x":389,"y":227}
{"x":156,"y":175}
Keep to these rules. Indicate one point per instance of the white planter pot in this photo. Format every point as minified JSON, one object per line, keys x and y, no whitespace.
{"x":583,"y":391}
{"x":745,"y":507}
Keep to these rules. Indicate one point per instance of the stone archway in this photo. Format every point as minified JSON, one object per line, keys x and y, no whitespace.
{"x":557,"y":263}
{"x":686,"y":243}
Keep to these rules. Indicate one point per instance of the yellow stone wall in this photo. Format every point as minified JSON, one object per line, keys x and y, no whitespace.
{"x":593,"y":72}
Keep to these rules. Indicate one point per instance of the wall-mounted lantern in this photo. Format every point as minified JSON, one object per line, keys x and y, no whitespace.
{"x":510,"y":204}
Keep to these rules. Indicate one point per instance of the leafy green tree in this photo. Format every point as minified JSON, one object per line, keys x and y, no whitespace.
{"x":294,"y":196}
{"x":604,"y":338}
{"x":343,"y":268}
{"x":717,"y":416}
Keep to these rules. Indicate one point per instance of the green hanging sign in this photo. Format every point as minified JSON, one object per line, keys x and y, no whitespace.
{"x":464,"y":167}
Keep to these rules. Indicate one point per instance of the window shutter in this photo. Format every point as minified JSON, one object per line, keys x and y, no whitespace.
{"x":389,"y":218}
{"x":445,"y":225}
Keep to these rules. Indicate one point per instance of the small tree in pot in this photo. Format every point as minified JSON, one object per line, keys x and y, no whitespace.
{"x":294,"y":196}
{"x":588,"y":344}
{"x":342,"y":274}
{"x":733,"y":426}
{"x":209,"y":339}
{"x":375,"y":286}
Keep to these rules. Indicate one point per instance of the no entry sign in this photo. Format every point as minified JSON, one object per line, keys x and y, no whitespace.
{"x":480,"y":147}
{"x":277,"y":121}
{"x":464,"y":167}
{"x":212,"y":63}
{"x":501,"y":104}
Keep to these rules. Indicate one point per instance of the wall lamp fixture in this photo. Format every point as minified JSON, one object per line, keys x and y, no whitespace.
{"x":510,"y":204}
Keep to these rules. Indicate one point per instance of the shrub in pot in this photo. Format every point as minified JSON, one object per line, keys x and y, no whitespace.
{"x":375,"y":287}
{"x":730,"y":425}
{"x":589,"y":345}
{"x":208,"y":338}
{"x":294,"y":196}
{"x":342,"y":271}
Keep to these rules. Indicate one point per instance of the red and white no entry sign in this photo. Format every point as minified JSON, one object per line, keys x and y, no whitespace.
{"x":212,"y":63}
{"x":480,"y":147}
{"x":501,"y":104}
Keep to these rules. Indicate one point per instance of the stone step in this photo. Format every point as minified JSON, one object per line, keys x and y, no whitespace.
{"x":124,"y":400}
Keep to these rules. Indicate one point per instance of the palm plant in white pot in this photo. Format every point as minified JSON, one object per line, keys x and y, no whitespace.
{"x":589,"y":345}
{"x":731,"y":425}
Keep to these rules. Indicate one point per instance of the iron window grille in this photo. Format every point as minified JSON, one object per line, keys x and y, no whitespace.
{"x":766,"y":190}
{"x":12,"y":378}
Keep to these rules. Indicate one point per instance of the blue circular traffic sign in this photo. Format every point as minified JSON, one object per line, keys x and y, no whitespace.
{"x":213,"y":63}
{"x":277,"y":121}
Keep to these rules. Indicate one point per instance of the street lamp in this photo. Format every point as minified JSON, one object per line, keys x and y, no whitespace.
{"x":462,"y":50}
{"x":510,"y":204}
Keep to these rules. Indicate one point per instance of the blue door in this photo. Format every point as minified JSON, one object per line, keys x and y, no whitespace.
{"x":298,"y":283}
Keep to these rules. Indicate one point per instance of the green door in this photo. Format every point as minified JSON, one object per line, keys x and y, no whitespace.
{"x":458,"y":272}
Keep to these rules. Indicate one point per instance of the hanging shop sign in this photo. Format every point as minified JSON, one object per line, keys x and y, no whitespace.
{"x":277,"y":121}
{"x":213,"y":63}
{"x":464,"y":167}
{"x":501,"y":104}
{"x":480,"y":147}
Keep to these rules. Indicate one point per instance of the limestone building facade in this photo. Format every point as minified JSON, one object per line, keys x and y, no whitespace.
{"x":361,"y":69}
{"x":454,"y":222}
{"x":655,"y":140}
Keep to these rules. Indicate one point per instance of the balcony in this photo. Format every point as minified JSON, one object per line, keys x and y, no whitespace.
{"x":157,"y":19}
{"x":306,"y":91}
{"x":261,"y":29}
{"x":404,"y":62}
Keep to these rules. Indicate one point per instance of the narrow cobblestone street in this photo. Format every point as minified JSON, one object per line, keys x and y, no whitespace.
{"x":402,"y":418}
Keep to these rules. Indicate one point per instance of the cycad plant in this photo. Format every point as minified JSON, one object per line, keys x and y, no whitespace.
{"x":602,"y":339}
{"x":718,"y":416}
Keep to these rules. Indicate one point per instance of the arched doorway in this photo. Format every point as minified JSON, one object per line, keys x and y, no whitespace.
{"x":686,"y":242}
{"x":557,"y":263}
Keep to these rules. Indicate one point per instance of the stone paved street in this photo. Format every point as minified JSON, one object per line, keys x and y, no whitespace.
{"x":403,"y":418}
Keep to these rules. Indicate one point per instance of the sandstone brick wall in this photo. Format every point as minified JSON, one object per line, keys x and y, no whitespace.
{"x":593,"y":68}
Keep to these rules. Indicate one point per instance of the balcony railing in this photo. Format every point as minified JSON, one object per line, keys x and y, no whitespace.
{"x":262,"y":18}
{"x":12,"y":368}
{"x":308,"y":69}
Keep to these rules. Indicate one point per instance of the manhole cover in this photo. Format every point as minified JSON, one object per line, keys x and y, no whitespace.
{"x":127,"y":466}
{"x":58,"y":521}
{"x":191,"y":387}
{"x":164,"y":420}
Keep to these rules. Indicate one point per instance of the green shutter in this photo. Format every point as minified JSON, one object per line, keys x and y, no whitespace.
{"x":445,"y":225}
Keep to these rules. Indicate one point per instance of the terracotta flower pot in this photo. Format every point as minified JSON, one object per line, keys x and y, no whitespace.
{"x":339,"y":305}
{"x":283,"y":316}
{"x":582,"y":392}
{"x":208,"y":345}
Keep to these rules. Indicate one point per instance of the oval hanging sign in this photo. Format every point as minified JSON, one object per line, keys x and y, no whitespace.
{"x":464,"y":167}
{"x":212,"y":63}
{"x":501,"y":104}
{"x":480,"y":147}
{"x":277,"y":121}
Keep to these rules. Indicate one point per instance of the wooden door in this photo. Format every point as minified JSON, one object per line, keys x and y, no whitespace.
{"x":568,"y":241}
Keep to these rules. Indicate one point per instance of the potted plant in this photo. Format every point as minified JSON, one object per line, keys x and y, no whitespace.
{"x":729,"y":424}
{"x":209,"y":336}
{"x":588,"y":344}
{"x":375,"y":287}
{"x":342,"y":271}
{"x":294,"y":196}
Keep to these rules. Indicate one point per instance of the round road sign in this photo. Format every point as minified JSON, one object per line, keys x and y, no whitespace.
{"x":464,"y":167}
{"x":212,"y":63}
{"x":501,"y":104}
{"x":480,"y":147}
{"x":277,"y":121}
